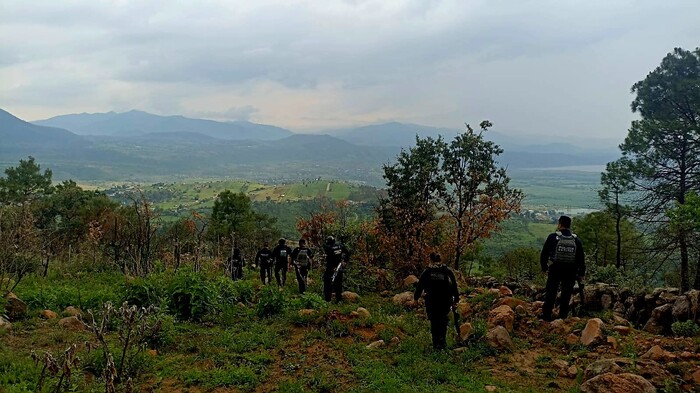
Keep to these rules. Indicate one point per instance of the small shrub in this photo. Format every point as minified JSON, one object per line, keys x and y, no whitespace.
{"x":272,"y":302}
{"x":310,"y":300}
{"x":685,"y":329}
{"x":191,"y":296}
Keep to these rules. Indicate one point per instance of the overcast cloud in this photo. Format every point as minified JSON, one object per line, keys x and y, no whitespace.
{"x":530,"y":66}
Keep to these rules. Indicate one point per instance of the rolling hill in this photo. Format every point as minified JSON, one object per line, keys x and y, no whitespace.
{"x":138,"y":123}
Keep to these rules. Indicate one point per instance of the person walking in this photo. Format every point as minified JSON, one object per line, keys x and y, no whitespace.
{"x":302,"y":258}
{"x":280,"y":255}
{"x":441,"y":293}
{"x":264,"y":259}
{"x":236,"y":263}
{"x":565,"y":252}
{"x":337,"y":257}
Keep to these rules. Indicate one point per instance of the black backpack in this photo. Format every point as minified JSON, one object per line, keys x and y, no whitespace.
{"x":565,"y":250}
{"x":303,"y":259}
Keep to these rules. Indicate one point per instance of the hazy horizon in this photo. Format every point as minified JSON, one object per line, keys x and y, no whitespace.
{"x":532,"y":68}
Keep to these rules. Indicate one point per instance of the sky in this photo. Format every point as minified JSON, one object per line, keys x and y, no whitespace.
{"x":532,"y":67}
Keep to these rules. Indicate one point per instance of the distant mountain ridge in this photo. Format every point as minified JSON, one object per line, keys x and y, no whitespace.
{"x":138,"y":123}
{"x":17,"y":134}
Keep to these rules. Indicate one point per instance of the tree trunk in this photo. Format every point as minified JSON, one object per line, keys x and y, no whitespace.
{"x":685,"y":274}
{"x":458,"y":247}
{"x":696,"y":284}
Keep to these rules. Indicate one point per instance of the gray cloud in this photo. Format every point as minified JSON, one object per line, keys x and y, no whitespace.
{"x":532,"y":66}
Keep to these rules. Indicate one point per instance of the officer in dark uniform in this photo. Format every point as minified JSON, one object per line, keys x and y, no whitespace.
{"x":281,"y":255}
{"x":302,"y":259}
{"x":264,"y":259}
{"x":565,"y":250}
{"x":236,"y":264}
{"x":440,"y":286}
{"x":337,"y":256}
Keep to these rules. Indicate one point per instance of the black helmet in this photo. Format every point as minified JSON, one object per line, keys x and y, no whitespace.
{"x":282,"y":241}
{"x":330,"y":240}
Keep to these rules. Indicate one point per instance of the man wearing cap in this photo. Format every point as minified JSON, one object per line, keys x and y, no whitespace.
{"x":565,"y":251}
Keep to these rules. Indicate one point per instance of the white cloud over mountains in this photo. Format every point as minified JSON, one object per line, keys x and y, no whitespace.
{"x":531,"y":66}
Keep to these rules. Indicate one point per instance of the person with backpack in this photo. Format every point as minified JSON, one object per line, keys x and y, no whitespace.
{"x":264,"y":259}
{"x":565,"y":251}
{"x":280,"y":255}
{"x":337,"y":257}
{"x":441,"y":293}
{"x":236,"y":262}
{"x":302,"y":257}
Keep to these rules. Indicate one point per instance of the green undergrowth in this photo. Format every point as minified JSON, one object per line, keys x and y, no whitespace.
{"x":241,"y":336}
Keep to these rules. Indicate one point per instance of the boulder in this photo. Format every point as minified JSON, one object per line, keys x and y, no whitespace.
{"x":463,"y":309}
{"x":15,"y":308}
{"x":619,"y":309}
{"x":572,"y":339}
{"x":404,"y":299}
{"x":71,"y":311}
{"x":623,"y":330}
{"x":520,"y":311}
{"x":612,"y":341}
{"x":375,"y":345}
{"x":499,"y":338}
{"x":605,"y":366}
{"x":48,"y":314}
{"x":617,"y":383}
{"x":4,"y":323}
{"x":681,"y":309}
{"x":617,"y":320}
{"x":653,"y":326}
{"x":656,"y":353}
{"x":558,"y":326}
{"x":72,"y":323}
{"x":569,"y":372}
{"x":511,"y":302}
{"x":502,"y":316}
{"x":606,"y":301}
{"x":656,"y":374}
{"x":307,"y":312}
{"x":504,"y":291}
{"x":410,"y":281}
{"x":363,"y":313}
{"x":695,"y":377}
{"x":593,"y":332}
{"x":694,"y":297}
{"x":351,"y":297}
{"x":465,"y":331}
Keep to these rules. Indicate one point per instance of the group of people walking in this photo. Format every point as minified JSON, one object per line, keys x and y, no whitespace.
{"x":562,"y":259}
{"x":282,"y":258}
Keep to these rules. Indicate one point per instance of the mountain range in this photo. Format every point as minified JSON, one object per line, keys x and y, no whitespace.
{"x":141,"y":146}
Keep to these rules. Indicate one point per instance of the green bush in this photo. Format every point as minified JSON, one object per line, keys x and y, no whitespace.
{"x":191,"y":297}
{"x":272,"y":302}
{"x":685,"y":329}
{"x":232,"y":292}
{"x":310,"y":301}
{"x":144,"y":292}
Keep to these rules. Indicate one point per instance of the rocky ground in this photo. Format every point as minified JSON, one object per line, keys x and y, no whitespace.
{"x":367,"y":343}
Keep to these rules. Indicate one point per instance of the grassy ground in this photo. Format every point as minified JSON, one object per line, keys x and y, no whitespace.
{"x":249,"y":339}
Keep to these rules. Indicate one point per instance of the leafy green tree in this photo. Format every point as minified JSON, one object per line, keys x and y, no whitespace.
{"x":476,"y":192}
{"x":617,"y":183}
{"x":662,"y":149}
{"x":407,"y":213}
{"x":25,"y":183}
{"x":599,"y":233}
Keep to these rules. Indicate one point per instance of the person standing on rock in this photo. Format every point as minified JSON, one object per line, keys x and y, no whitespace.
{"x":565,"y":251}
{"x":281,"y":255}
{"x":337,"y":256}
{"x":441,"y":293}
{"x":264,"y":259}
{"x":302,"y":257}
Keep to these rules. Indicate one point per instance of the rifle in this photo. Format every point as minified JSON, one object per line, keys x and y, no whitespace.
{"x":455,"y":317}
{"x":582,"y":294}
{"x":335,"y":272}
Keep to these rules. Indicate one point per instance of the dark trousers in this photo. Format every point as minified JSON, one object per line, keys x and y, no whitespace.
{"x":266,"y":274}
{"x":281,"y":269}
{"x":438,"y":316}
{"x":330,"y":286}
{"x":302,"y":275}
{"x":236,"y":273}
{"x":560,"y":276}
